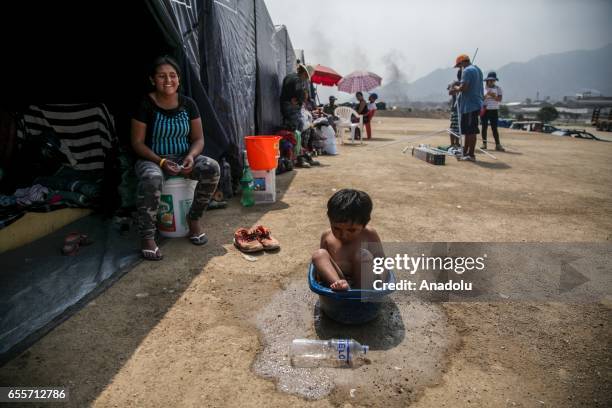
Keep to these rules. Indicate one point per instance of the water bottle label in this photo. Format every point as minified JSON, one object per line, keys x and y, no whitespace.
{"x":247,"y":184}
{"x":343,"y":351}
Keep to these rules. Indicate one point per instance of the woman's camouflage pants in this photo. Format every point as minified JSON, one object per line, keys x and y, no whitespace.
{"x":150,"y":182}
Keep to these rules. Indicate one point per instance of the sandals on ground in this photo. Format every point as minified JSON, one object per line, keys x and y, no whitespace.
{"x":152,"y":254}
{"x":73,"y":241}
{"x":199,"y":239}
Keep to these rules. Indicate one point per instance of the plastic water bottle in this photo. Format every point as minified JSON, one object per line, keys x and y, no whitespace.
{"x":247,"y":184}
{"x":340,"y":353}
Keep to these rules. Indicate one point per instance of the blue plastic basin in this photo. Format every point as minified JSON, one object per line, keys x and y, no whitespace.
{"x":353,"y":306}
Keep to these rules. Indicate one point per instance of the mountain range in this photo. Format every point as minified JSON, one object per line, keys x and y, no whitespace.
{"x":552,"y":75}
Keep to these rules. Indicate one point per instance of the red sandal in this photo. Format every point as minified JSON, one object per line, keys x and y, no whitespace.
{"x":73,"y":241}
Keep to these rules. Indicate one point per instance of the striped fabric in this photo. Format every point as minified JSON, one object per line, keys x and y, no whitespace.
{"x":170,"y":133}
{"x":454,"y":118}
{"x":86,"y":131}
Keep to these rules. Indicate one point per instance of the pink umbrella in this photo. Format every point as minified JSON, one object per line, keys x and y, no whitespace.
{"x":359,"y":81}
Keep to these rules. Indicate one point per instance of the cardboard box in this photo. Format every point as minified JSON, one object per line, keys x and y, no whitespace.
{"x":265,"y":186}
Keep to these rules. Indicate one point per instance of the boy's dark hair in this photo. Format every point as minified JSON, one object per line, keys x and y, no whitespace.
{"x":348,"y":205}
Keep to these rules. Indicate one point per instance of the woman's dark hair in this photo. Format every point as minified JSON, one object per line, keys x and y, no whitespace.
{"x":359,"y":93}
{"x":348,"y":205}
{"x":164,"y":60}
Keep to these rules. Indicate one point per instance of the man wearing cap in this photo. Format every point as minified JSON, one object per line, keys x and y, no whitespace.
{"x":293,"y":94}
{"x":492,"y":98}
{"x":330,"y":108}
{"x":470,"y":102}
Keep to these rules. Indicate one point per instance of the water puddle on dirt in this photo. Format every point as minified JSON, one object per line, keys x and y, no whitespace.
{"x":408,"y":342}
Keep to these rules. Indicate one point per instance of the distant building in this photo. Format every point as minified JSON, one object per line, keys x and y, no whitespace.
{"x":591,"y":93}
{"x":530,"y":112}
{"x":588,"y":99}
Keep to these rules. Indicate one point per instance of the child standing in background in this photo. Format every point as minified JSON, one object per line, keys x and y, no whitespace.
{"x":371,"y":111}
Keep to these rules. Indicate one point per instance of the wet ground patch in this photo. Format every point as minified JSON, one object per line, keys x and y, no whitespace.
{"x":409,"y":343}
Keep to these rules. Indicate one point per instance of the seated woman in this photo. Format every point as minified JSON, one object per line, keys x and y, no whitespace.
{"x":167,"y":136}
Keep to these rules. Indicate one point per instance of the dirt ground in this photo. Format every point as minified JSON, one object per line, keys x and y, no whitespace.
{"x":183,"y":332}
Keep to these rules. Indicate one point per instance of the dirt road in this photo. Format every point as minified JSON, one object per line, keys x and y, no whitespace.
{"x":184,"y":332}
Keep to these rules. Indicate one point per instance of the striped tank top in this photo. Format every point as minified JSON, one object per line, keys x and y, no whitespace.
{"x":170,"y":133}
{"x":168,"y":130}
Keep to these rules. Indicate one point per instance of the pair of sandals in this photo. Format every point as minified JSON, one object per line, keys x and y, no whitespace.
{"x":156,"y":255}
{"x":73,"y":241}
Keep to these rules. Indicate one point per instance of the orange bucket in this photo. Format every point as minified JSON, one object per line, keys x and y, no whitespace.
{"x":263,"y":151}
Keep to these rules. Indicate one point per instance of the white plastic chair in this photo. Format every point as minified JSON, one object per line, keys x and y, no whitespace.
{"x":345,"y":113}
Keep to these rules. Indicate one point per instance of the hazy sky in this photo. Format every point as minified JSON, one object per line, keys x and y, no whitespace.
{"x":420,"y":36}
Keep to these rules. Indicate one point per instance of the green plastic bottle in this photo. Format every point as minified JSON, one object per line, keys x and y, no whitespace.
{"x":247,"y":184}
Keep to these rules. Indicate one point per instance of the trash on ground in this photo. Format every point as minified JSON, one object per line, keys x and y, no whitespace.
{"x":337,"y":353}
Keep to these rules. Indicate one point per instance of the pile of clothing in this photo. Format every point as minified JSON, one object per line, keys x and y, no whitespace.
{"x":66,"y":188}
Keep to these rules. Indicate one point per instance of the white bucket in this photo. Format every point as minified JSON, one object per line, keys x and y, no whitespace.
{"x":175,"y":202}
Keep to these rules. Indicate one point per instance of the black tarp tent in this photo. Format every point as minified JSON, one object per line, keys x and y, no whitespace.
{"x":248,"y":57}
{"x":275,"y":59}
{"x":267,"y":54}
{"x":229,"y":44}
{"x":287,"y":55}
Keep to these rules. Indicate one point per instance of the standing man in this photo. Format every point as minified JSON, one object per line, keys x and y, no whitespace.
{"x":293,"y":94}
{"x":470,"y":103}
{"x":492,"y":98}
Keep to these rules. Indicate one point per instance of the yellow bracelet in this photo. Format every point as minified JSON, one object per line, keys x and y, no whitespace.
{"x":161,"y":163}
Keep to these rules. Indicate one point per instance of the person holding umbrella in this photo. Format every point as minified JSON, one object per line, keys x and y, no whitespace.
{"x":362,"y":109}
{"x":360,"y":81}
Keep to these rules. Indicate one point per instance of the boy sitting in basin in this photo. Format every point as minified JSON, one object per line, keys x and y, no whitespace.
{"x":343,"y":262}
